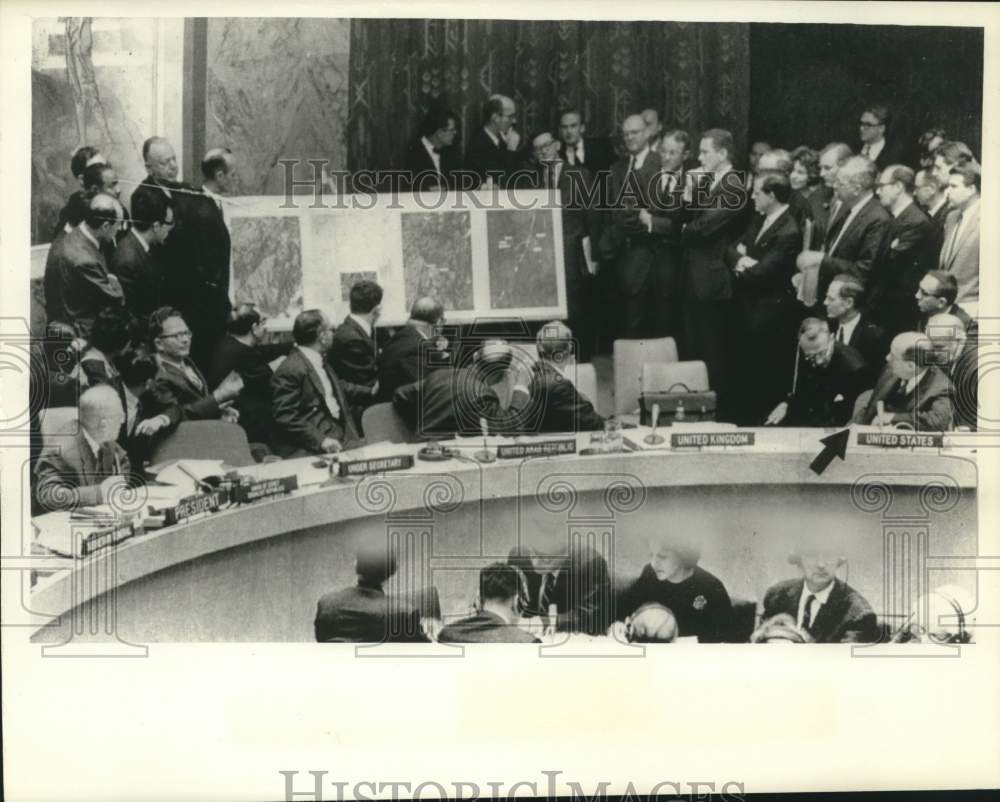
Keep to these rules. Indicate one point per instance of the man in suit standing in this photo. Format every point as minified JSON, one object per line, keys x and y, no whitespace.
{"x":626,"y":242}
{"x":858,"y":236}
{"x":821,"y":604}
{"x":560,"y":407}
{"x":913,"y":250}
{"x":719,"y":213}
{"x":851,"y":325}
{"x":413,"y":350}
{"x":432,"y":159}
{"x":932,"y":198}
{"x":310,"y":409}
{"x":76,"y":282}
{"x":492,"y":151}
{"x":960,"y":252}
{"x":948,"y":155}
{"x":138,"y":259}
{"x":762,"y":261}
{"x":85,"y":469}
{"x":76,"y":207}
{"x":595,"y":154}
{"x":498,"y":612}
{"x":353,"y":355}
{"x":778,"y":161}
{"x":823,"y":203}
{"x":910,"y":390}
{"x":872,"y":126}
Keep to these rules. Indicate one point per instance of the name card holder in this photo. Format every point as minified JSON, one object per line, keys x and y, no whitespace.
{"x":360,"y":467}
{"x":95,"y":541}
{"x":546,"y":448}
{"x":190,"y":506}
{"x":901,"y":439}
{"x":712,"y":439}
{"x":266,"y":488}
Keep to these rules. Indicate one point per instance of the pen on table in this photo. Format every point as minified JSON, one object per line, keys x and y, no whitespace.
{"x":190,"y":475}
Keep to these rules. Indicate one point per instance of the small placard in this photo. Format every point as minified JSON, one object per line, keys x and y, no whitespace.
{"x":897,"y":439}
{"x":359,"y":467}
{"x":195,"y":505}
{"x":265,"y":488}
{"x":709,"y":439}
{"x":103,"y":538}
{"x":546,"y":448}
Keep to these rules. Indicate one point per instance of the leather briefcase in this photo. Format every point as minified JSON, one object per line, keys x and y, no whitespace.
{"x":679,"y":404}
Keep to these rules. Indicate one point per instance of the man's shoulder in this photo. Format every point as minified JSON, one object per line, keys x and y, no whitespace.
{"x":855,"y":605}
{"x":293,"y":364}
{"x":849,"y":358}
{"x":786,"y":588}
{"x":128,"y":251}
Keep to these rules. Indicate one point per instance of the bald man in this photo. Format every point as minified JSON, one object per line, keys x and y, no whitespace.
{"x":560,"y":407}
{"x":414,"y":349}
{"x":493,"y":151}
{"x":958,"y":350}
{"x":77,"y":282}
{"x":83,"y":469}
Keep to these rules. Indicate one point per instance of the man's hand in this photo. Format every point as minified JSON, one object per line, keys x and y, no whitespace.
{"x":230,"y":387}
{"x":230,"y":415}
{"x":375,"y":389}
{"x":110,"y":486}
{"x":513,"y":138}
{"x":331,"y":445}
{"x":645,"y":218}
{"x":883,"y":419}
{"x":797,"y":281}
{"x":151,"y":426}
{"x":744,"y":263}
{"x":777,"y":414}
{"x":808,"y":259}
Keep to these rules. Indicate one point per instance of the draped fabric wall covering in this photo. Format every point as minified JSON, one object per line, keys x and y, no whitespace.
{"x":696,"y":74}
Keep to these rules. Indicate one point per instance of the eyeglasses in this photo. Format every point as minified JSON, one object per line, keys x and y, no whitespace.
{"x":868,"y":124}
{"x":175,"y":334}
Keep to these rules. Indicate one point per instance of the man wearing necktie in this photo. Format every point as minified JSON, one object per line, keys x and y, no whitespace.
{"x":83,"y":469}
{"x":960,"y":254}
{"x":431,"y":159}
{"x":493,"y":150}
{"x":596,"y":154}
{"x":821,"y":604}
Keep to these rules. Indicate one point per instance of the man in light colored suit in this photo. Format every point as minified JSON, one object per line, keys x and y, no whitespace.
{"x":960,"y":252}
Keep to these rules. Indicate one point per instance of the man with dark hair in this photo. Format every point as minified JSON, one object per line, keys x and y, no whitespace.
{"x":757,"y":149}
{"x":778,"y":161}
{"x":413,"y":350}
{"x":499,"y":610}
{"x":762,"y":261}
{"x":875,"y":121}
{"x":936,"y":295}
{"x":960,"y":252}
{"x":949,"y":155}
{"x":931,"y":196}
{"x":560,"y":407}
{"x":596,"y":154}
{"x":353,"y":354}
{"x":310,"y":409}
{"x":138,"y":259}
{"x":238,"y":352}
{"x":910,"y":390}
{"x":850,"y":324}
{"x":432,"y":158}
{"x":76,"y":207}
{"x":101,"y":177}
{"x":364,"y":613}
{"x":492,"y":151}
{"x":77,"y":283}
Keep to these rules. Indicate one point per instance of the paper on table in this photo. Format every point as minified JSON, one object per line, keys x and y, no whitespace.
{"x":174,"y":472}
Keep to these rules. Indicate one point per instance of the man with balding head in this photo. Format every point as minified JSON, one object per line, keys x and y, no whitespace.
{"x":957,"y":354}
{"x":493,"y":149}
{"x":823,"y":202}
{"x":414,"y":350}
{"x":560,"y":407}
{"x":83,"y":469}
{"x":77,"y":282}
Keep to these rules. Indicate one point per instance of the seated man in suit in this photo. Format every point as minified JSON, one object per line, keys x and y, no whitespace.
{"x":238,"y":353}
{"x":364,"y":613}
{"x":560,"y":407}
{"x":413,"y":348}
{"x":138,"y":259}
{"x":958,"y":356}
{"x":850,"y":323}
{"x":936,"y":294}
{"x":931,"y":197}
{"x":453,"y":401}
{"x":829,"y":377}
{"x":142,"y":430}
{"x":960,"y":252}
{"x":90,"y":467}
{"x":310,"y":408}
{"x":178,"y":380}
{"x":432,"y":159}
{"x":499,"y":610}
{"x":353,"y":355}
{"x":825,"y":607}
{"x":911,"y":389}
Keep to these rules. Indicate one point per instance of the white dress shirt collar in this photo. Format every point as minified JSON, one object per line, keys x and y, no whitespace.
{"x":906,"y":206}
{"x":875,"y":148}
{"x":911,"y":385}
{"x":435,"y":156}
{"x":847,"y":328}
{"x":640,"y":158}
{"x":494,"y":137}
{"x":821,"y":598}
{"x":773,"y":215}
{"x":142,"y":242}
{"x":85,"y":230}
{"x":366,"y":325}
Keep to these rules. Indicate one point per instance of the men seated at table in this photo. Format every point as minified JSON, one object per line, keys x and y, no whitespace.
{"x":414,"y":349}
{"x":851,"y":324}
{"x":942,"y":616}
{"x":673,"y":578}
{"x":452,"y":401}
{"x":911,"y":390}
{"x":84,"y":469}
{"x":310,"y":408}
{"x":353,"y":354}
{"x":829,"y":376}
{"x":143,"y":430}
{"x":936,"y":293}
{"x":560,"y":407}
{"x":363,"y":613}
{"x":818,"y":602}
{"x":651,"y":623}
{"x":499,"y":610}
{"x":957,"y":354}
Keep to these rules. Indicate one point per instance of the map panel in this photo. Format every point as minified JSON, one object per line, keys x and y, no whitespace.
{"x":437,"y":258}
{"x":522,"y":258}
{"x":267,"y":264}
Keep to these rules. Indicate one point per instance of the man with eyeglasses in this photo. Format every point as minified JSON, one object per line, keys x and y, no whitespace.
{"x":138,"y":259}
{"x":493,"y":149}
{"x":871,"y":130}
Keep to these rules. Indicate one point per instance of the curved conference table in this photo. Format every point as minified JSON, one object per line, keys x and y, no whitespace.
{"x":905,"y":518}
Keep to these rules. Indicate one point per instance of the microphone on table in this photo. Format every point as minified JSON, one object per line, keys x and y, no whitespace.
{"x":484,"y":455}
{"x":653,"y":439}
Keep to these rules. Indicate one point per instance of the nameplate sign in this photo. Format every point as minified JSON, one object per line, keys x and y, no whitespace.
{"x":547,"y":448}
{"x":710,"y":439}
{"x":360,"y":467}
{"x":195,"y":505}
{"x":901,"y":439}
{"x":266,"y":488}
{"x":96,"y":541}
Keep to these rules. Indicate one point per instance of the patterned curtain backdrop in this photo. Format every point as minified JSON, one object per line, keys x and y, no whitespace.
{"x":696,"y":74}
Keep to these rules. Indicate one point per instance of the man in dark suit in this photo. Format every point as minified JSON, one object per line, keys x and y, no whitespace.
{"x":627,"y":244}
{"x":913,"y":249}
{"x":76,"y":207}
{"x":364,"y":613}
{"x":823,"y":203}
{"x":779,"y":162}
{"x":310,"y":408}
{"x":353,"y":355}
{"x":492,"y":151}
{"x":76,"y":282}
{"x":413,"y":350}
{"x":957,"y":354}
{"x":875,"y":121}
{"x":936,"y":294}
{"x":500,"y":591}
{"x":594,"y":153}
{"x":931,"y":197}
{"x":826,"y":607}
{"x":432,"y":158}
{"x":763,"y":261}
{"x":238,"y":353}
{"x":559,"y":406}
{"x":719,"y":213}
{"x":453,"y":401}
{"x":827,"y":379}
{"x":911,"y":390}
{"x":86,"y":468}
{"x":851,"y":325}
{"x":858,"y":236}
{"x":137,"y":260}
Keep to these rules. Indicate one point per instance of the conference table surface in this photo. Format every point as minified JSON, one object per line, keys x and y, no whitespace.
{"x":770,"y":479}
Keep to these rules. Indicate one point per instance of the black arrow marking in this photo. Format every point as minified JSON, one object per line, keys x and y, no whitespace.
{"x":834,"y":445}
